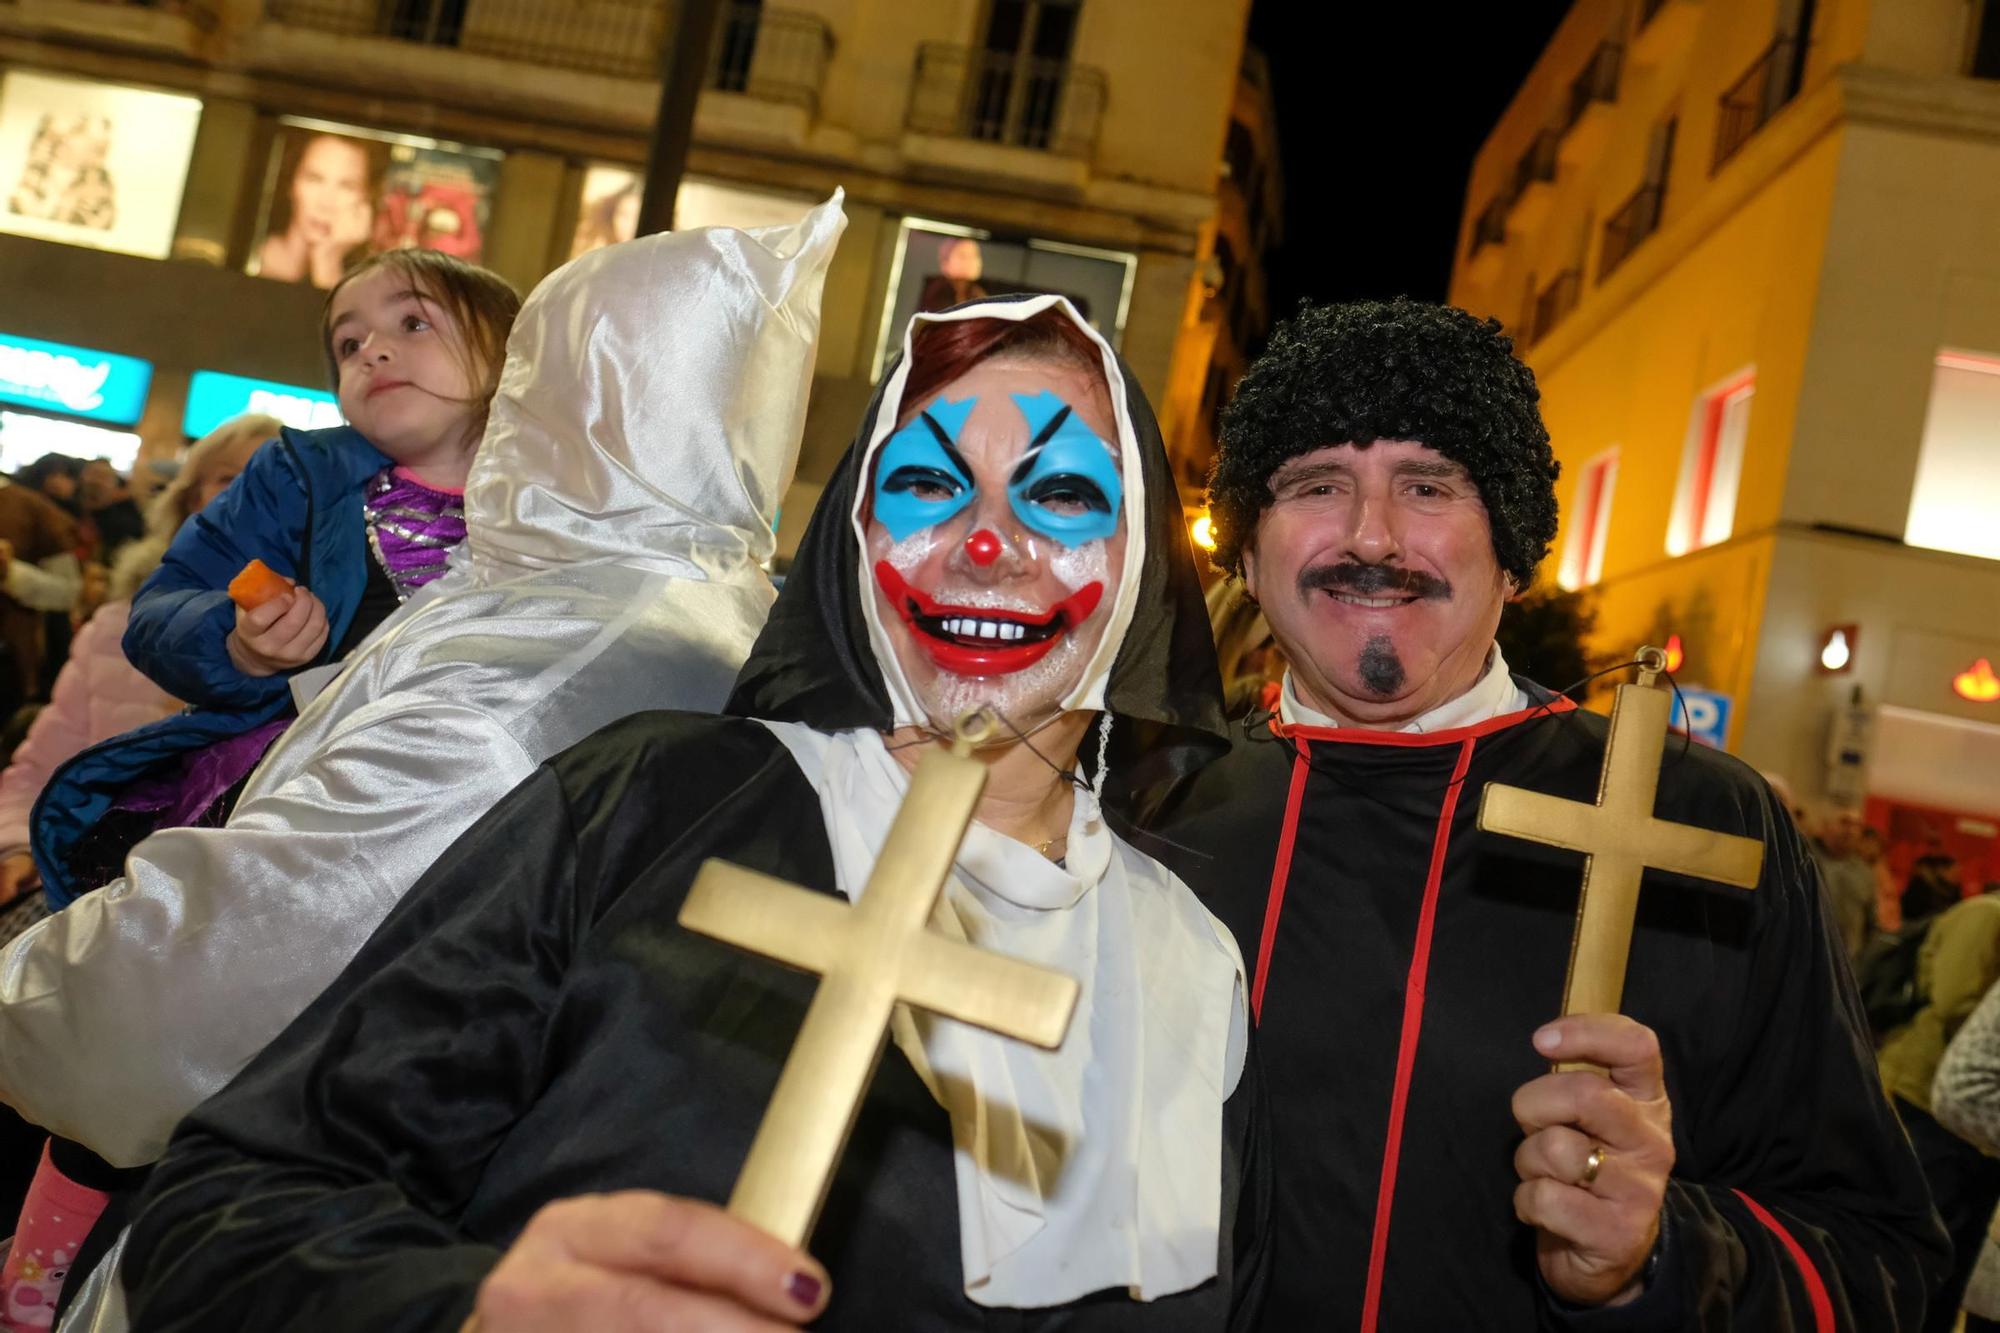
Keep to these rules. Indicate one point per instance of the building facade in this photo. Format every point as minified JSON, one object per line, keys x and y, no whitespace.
{"x":179,"y":179}
{"x":1752,"y":251}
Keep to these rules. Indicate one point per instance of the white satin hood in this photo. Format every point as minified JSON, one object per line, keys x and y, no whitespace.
{"x":652,"y":404}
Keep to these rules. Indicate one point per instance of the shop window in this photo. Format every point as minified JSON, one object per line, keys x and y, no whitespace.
{"x":26,"y":436}
{"x":1711,"y":466}
{"x":1589,"y":522}
{"x":1957,"y":491}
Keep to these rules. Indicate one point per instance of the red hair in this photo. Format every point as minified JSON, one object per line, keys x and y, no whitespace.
{"x":942,"y":351}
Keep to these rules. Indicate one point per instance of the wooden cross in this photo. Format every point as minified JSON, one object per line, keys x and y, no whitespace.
{"x":1620,"y":838}
{"x":870,"y":956}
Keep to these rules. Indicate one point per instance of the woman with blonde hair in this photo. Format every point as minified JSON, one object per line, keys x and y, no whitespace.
{"x":99,"y":693}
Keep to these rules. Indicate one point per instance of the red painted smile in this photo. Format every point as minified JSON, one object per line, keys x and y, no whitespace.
{"x":980,"y":641}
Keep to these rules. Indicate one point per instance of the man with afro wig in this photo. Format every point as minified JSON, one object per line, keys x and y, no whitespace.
{"x":1384,"y":485}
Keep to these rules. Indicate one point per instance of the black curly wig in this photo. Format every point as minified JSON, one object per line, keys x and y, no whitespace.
{"x":1390,"y":370}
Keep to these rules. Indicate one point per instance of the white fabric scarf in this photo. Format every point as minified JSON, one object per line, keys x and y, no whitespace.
{"x":1098,"y":1165}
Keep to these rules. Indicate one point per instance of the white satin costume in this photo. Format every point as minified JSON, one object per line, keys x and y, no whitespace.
{"x":619,"y":514}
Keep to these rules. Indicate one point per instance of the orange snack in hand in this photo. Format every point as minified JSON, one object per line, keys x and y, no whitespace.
{"x":256,"y":585}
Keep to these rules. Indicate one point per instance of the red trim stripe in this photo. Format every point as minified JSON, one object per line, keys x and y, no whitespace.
{"x":1822,"y":1303}
{"x":1406,"y":1050}
{"x":1449,"y":736}
{"x":1280,"y":873}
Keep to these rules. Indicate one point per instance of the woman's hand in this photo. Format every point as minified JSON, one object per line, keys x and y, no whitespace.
{"x":18,"y":876}
{"x":283,"y":633}
{"x":637,"y":1262}
{"x":350,"y":228}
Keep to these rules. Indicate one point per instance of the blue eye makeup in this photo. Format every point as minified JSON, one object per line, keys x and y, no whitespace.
{"x":1066,"y":485}
{"x":920,"y":477}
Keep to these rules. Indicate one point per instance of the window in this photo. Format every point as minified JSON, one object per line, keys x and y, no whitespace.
{"x":1589,"y":522}
{"x":1024,"y":59}
{"x":1957,"y":492}
{"x":1711,"y":466}
{"x":1985,"y":63}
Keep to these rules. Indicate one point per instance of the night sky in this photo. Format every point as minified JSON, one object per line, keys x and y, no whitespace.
{"x":1380,"y":110}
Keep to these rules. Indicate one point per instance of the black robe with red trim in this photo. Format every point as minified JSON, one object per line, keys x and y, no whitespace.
{"x":1402,"y":959}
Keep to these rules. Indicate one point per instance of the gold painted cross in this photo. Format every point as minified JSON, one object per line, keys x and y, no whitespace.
{"x":1620,"y":838}
{"x":870,"y":956}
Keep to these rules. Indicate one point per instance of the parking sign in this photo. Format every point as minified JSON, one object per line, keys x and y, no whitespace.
{"x":1702,"y":714}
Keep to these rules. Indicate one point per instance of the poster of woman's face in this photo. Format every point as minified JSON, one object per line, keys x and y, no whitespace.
{"x":336,"y":194}
{"x":609,"y":211}
{"x":939,"y":265}
{"x":93,"y":164}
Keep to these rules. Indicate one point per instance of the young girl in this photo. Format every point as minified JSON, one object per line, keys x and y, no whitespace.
{"x":358,"y":517}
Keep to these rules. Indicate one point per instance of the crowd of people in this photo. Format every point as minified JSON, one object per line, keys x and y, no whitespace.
{"x":341,"y":984}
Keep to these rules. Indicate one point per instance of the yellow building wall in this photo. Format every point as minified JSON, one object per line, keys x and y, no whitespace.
{"x":1912,"y":266}
{"x":1741,"y":297}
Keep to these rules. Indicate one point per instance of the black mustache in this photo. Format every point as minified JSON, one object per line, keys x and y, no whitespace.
{"x":1359,"y":580}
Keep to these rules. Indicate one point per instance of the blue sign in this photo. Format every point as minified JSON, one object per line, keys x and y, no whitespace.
{"x":1702,"y":714}
{"x":214,"y":397}
{"x":76,"y":381}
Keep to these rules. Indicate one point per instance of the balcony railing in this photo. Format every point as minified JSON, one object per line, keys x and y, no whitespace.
{"x":1636,"y":219}
{"x":1555,"y":300}
{"x":201,"y":13}
{"x":1001,"y":97}
{"x":1597,"y":82}
{"x":621,"y":38}
{"x":773,"y":54}
{"x":1754,"y":98}
{"x":1491,"y":228}
{"x":1537,"y":166}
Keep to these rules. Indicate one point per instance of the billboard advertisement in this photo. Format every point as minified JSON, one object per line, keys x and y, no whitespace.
{"x":608,"y":209}
{"x":940,"y":264}
{"x":335,"y":194}
{"x":93,"y":164}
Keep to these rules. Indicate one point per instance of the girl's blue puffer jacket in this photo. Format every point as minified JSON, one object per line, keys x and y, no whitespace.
{"x":296,"y":507}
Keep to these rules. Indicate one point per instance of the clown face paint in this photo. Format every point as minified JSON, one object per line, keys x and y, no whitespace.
{"x":995,"y":536}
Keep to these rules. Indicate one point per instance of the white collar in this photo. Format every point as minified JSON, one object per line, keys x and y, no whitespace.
{"x":1099,"y":1164}
{"x":1491,"y":696}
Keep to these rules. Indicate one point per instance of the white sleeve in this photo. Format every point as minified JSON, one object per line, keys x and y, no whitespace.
{"x":52,"y":585}
{"x":121,"y":1013}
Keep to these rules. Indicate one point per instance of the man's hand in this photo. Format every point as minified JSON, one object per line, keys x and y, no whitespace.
{"x":638,"y":1262}
{"x":283,"y":633}
{"x":1593,"y":1239}
{"x":17,"y":876}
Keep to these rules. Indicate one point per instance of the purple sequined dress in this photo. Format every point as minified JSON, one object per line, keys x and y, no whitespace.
{"x":412,"y":528}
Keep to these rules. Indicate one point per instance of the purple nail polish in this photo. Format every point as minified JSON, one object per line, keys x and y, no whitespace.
{"x":803,"y":1288}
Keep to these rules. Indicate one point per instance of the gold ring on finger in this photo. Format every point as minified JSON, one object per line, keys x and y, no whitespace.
{"x":1591,"y":1165}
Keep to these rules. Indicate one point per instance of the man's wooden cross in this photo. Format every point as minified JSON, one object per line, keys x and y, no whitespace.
{"x":870,"y":956}
{"x":1620,"y":838}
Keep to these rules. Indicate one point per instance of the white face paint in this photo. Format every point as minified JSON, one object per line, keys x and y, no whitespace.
{"x":910,"y":552}
{"x":1078,"y":565}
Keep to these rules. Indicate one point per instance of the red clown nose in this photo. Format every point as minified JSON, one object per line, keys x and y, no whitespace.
{"x":983,"y":546}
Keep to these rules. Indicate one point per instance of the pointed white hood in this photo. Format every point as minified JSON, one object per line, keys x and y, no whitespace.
{"x":650,"y":411}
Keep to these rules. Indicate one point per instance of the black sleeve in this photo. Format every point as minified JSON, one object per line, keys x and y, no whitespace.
{"x":318,"y":1190}
{"x":1796,"y":1202}
{"x":1250,"y":1240}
